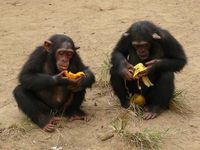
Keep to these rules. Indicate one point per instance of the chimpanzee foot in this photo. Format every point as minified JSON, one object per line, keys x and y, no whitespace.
{"x":79,"y":115}
{"x":76,"y":117}
{"x":151,"y":112}
{"x":149,"y":115}
{"x":50,"y":126}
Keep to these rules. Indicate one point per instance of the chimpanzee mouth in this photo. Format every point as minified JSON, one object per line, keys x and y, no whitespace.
{"x":143,"y":57}
{"x":62,"y":67}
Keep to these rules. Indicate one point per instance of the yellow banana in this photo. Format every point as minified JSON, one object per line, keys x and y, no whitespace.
{"x":139,"y":68}
{"x":146,"y":81}
{"x":71,"y":75}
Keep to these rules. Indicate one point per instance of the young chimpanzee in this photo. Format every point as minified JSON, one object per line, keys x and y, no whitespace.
{"x":160,"y":52}
{"x":44,"y":93}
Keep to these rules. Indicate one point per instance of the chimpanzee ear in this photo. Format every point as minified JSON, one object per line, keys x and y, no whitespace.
{"x":77,"y":47}
{"x":47,"y":45}
{"x":156,"y":36}
{"x":125,"y":34}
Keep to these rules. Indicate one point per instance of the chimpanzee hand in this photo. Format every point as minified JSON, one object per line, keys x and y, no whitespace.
{"x":149,"y":65}
{"x":143,"y":73}
{"x":151,"y":62}
{"x":127,"y":72}
{"x":63,"y":80}
{"x":60,"y":75}
{"x":75,"y":84}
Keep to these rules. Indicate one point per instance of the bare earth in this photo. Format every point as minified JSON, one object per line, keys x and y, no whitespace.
{"x":95,"y":26}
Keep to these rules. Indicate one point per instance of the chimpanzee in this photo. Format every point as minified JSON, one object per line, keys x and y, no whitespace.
{"x":146,"y":43}
{"x":44,"y":93}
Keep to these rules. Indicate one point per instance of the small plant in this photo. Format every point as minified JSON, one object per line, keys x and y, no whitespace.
{"x":119,"y":125}
{"x":146,"y":139}
{"x":105,"y":75}
{"x":138,"y":110}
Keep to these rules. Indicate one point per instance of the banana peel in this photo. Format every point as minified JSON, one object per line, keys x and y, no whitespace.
{"x":146,"y":81}
{"x":71,"y":75}
{"x":139,"y":68}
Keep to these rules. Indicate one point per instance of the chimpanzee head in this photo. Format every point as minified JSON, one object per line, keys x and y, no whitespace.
{"x":60,"y":50}
{"x":142,"y":36}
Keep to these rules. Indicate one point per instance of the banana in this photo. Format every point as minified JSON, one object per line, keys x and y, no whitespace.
{"x":139,"y":68}
{"x":146,"y":81}
{"x":71,"y":75}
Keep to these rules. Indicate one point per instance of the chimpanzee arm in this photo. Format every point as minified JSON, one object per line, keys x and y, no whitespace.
{"x":174,"y":57}
{"x":39,"y":81}
{"x":36,"y":81}
{"x":89,"y":78}
{"x":76,"y":66}
{"x":120,"y":53}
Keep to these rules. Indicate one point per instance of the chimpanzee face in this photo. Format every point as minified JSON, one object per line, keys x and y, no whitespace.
{"x":63,"y":56}
{"x":142,"y":49}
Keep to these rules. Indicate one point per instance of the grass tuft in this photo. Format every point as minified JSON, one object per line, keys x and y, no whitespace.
{"x":104,"y":78}
{"x":146,"y":139}
{"x":179,"y":104}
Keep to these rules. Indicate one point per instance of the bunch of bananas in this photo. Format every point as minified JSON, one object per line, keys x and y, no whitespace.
{"x":139,"y":68}
{"x":71,"y":75}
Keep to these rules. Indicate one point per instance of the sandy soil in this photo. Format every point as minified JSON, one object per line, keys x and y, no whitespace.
{"x":95,"y":26}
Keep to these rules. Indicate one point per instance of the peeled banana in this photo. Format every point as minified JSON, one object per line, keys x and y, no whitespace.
{"x":139,"y":68}
{"x":71,"y":75}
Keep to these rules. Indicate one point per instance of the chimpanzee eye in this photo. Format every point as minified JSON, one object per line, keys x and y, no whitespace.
{"x":146,"y":46}
{"x":69,"y":54}
{"x":136,"y":46}
{"x":61,"y":53}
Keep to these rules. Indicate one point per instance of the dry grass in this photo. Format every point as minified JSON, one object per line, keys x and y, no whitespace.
{"x":179,"y":104}
{"x":14,"y":132}
{"x":104,"y":78}
{"x":17,"y":130}
{"x":144,"y":140}
{"x":138,"y":110}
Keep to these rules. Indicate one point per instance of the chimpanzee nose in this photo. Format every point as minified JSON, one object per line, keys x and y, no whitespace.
{"x":64,"y":59}
{"x":142,"y":50}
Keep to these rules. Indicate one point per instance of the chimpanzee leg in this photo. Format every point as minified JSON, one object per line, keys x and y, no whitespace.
{"x":119,"y":88}
{"x":132,"y":87}
{"x":37,"y":111}
{"x":161,"y":93}
{"x":77,"y":100}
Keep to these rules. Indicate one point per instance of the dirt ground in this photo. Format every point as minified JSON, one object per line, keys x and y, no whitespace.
{"x":95,"y":26}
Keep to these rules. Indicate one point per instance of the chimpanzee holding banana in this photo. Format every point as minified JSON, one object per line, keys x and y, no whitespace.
{"x":48,"y":86}
{"x":160,"y":54}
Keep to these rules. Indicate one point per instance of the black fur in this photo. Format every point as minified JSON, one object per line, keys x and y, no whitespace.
{"x":35,"y":95}
{"x":167,"y":49}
